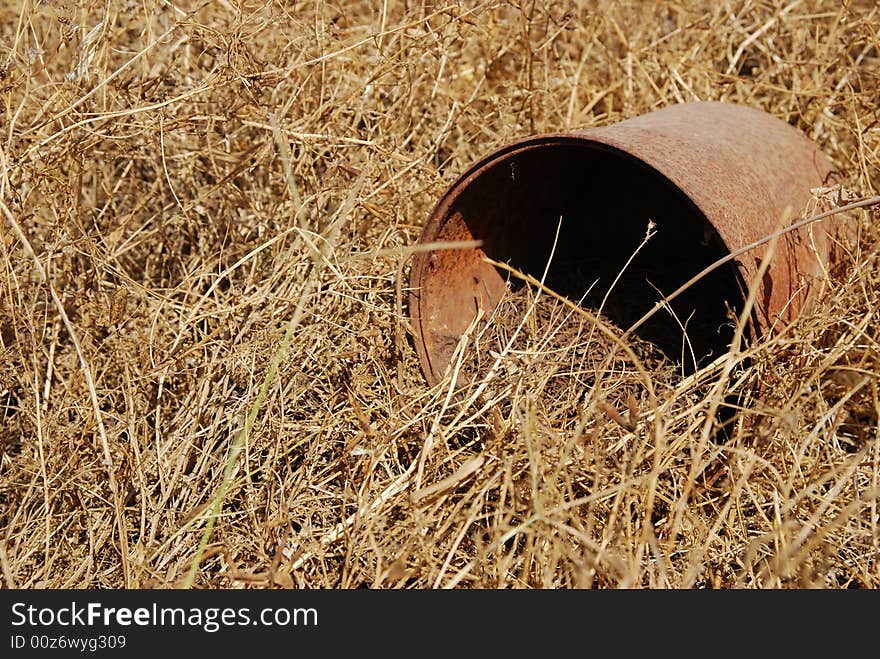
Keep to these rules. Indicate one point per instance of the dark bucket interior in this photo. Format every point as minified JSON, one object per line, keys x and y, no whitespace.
{"x":604,"y":201}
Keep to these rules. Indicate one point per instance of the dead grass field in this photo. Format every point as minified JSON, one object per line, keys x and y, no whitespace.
{"x":206,"y":377}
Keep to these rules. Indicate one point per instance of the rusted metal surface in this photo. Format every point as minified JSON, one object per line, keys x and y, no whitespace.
{"x":718,"y":176}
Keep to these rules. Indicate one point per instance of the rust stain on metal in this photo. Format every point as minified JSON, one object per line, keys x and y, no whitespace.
{"x":714,"y":177}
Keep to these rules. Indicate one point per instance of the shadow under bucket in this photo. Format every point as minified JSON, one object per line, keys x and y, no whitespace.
{"x":707,"y":178}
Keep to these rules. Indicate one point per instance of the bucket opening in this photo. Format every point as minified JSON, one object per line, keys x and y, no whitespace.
{"x":602,"y":201}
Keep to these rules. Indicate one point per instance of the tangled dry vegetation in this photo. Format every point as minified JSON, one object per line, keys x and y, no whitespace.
{"x":206,"y":376}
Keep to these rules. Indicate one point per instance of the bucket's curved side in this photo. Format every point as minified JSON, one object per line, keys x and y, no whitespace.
{"x":750,"y":174}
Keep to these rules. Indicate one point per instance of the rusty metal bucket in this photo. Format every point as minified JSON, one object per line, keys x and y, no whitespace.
{"x":712,"y":177}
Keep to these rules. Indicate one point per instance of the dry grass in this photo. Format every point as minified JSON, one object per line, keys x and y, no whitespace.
{"x":159,"y":245}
